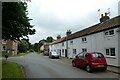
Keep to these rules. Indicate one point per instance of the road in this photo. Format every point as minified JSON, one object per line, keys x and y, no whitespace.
{"x":38,"y":66}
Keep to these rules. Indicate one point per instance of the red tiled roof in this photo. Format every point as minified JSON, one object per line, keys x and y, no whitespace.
{"x":58,"y":41}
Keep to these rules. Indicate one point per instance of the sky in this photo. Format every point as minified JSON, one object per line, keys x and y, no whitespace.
{"x":55,"y":17}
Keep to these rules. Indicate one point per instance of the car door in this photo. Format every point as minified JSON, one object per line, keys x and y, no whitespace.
{"x":79,"y":61}
{"x":85,"y":59}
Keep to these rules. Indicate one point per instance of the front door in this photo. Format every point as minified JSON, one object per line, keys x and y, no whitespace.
{"x":66,"y":53}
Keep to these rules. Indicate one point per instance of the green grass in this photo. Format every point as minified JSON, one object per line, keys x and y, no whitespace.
{"x":11,"y":70}
{"x":39,"y":52}
{"x":21,"y":54}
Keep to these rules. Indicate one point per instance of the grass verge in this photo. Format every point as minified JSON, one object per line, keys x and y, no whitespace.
{"x":39,"y":52}
{"x":21,"y":54}
{"x":11,"y":70}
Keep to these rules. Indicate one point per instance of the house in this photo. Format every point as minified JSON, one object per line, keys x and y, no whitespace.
{"x":103,"y":37}
{"x":46,"y":47}
{"x":9,"y":46}
{"x":42,"y":48}
{"x":59,"y":46}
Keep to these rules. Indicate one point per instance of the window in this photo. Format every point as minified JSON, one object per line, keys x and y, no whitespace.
{"x":107,"y":51}
{"x":108,"y":33}
{"x":111,"y":32}
{"x":63,"y":44}
{"x":80,"y":55}
{"x":97,"y":55}
{"x":84,"y":39}
{"x":110,"y":52}
{"x":71,"y":42}
{"x":3,"y":47}
{"x":74,"y":51}
{"x":84,"y":50}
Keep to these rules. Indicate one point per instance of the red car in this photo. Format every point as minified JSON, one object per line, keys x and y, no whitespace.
{"x":90,"y":61}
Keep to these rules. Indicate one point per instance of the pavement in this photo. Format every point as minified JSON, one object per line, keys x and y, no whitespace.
{"x":109,"y":68}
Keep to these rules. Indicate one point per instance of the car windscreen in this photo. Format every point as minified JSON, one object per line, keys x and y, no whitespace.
{"x":54,"y":53}
{"x":97,"y":55}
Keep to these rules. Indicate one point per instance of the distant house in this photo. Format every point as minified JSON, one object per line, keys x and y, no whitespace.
{"x":9,"y":46}
{"x":42,"y":48}
{"x":59,"y":46}
{"x":103,"y":37}
{"x":46,"y":47}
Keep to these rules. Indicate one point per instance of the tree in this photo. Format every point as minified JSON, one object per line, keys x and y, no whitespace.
{"x":35,"y":47}
{"x":15,"y":21}
{"x":22,"y":46}
{"x":49,"y":39}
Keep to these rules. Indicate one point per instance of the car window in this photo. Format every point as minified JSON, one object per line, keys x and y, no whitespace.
{"x":54,"y":52}
{"x":80,"y":55}
{"x":97,"y":55}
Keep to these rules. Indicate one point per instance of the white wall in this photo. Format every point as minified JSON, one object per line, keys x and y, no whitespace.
{"x":58,"y":47}
{"x":97,"y":42}
{"x":119,"y":46}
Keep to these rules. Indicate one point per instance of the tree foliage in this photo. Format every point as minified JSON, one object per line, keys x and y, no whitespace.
{"x":37,"y":46}
{"x":15,"y":21}
{"x":23,"y":46}
{"x":49,"y":39}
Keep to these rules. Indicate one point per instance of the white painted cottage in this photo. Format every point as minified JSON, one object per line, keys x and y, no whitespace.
{"x":103,"y":37}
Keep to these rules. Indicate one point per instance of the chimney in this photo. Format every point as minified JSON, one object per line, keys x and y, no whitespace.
{"x":68,"y":32}
{"x":58,"y":36}
{"x":104,"y":18}
{"x":101,"y":19}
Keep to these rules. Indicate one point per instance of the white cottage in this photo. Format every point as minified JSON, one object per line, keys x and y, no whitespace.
{"x":59,"y":45}
{"x":103,"y":37}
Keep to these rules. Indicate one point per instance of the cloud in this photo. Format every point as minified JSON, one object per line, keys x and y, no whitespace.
{"x":53,"y":17}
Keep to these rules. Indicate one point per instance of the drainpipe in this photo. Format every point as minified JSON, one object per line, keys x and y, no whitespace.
{"x":67,"y":46}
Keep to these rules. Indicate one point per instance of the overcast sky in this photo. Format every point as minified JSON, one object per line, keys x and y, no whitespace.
{"x":55,"y":17}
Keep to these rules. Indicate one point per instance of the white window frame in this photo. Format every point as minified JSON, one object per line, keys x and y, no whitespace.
{"x":74,"y":51}
{"x":108,"y":33}
{"x":84,"y":39}
{"x":71,"y":42}
{"x":109,"y":54}
{"x":84,"y":49}
{"x":62,"y":43}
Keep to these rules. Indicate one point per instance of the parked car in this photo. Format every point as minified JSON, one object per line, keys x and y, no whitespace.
{"x":53,"y":54}
{"x":46,"y":53}
{"x":90,"y":61}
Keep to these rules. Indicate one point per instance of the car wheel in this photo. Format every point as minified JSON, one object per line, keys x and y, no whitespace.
{"x":73,"y":64}
{"x":88,"y":68}
{"x":104,"y":69}
{"x":51,"y":57}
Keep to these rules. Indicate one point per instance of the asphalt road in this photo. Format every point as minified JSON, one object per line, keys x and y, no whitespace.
{"x":38,"y":66}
